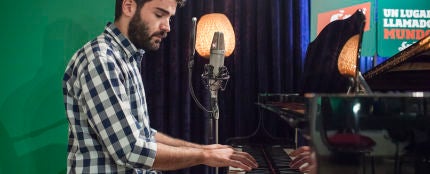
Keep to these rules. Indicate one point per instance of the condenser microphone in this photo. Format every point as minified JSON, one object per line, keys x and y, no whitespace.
{"x":216,"y":71}
{"x":217,"y":53}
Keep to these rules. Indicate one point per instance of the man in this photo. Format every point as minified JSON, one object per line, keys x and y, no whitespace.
{"x":109,"y":130}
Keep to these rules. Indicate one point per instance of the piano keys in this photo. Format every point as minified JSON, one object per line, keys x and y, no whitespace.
{"x":271,"y":160}
{"x":271,"y":153}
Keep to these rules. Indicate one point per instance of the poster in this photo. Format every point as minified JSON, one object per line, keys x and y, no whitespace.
{"x":391,"y":26}
{"x":401,"y":24}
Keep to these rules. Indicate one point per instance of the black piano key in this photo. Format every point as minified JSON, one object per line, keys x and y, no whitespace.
{"x":259,"y":172}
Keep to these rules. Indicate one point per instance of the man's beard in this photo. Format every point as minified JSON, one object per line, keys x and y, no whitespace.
{"x":139,"y":36}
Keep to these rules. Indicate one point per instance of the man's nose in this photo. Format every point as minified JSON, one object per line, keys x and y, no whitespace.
{"x":165,"y":26}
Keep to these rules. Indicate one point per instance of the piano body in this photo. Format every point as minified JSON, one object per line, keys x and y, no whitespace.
{"x":356,"y":133}
{"x":375,"y":133}
{"x":407,"y":70}
{"x":386,"y":131}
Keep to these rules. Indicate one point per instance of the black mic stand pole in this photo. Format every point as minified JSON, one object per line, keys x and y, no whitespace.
{"x":214,"y":117}
{"x":214,"y":83}
{"x":214,"y":120}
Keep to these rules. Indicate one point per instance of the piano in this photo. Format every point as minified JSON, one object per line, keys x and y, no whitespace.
{"x":321,"y":59}
{"x":270,"y":152}
{"x":384,"y":130}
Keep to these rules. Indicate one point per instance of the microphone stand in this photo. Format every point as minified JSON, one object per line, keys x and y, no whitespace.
{"x":214,"y":83}
{"x":211,"y":81}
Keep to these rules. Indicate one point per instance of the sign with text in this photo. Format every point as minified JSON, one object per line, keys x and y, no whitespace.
{"x":401,"y":24}
{"x":391,"y":26}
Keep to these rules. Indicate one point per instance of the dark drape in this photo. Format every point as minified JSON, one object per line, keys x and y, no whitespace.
{"x":271,"y":39}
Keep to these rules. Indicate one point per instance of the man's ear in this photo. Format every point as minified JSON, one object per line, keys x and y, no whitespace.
{"x":128,"y":8}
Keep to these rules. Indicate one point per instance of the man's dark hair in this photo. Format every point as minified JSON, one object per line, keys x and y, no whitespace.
{"x":118,"y":6}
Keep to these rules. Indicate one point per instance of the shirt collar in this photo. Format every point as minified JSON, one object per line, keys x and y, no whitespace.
{"x":123,"y":41}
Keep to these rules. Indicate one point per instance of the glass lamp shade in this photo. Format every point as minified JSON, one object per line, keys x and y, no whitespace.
{"x":207,"y":26}
{"x":347,"y":60}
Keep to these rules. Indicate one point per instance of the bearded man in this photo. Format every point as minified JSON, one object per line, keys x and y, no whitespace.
{"x":104,"y":97}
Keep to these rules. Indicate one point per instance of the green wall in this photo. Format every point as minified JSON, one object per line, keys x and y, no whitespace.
{"x":38,"y":37}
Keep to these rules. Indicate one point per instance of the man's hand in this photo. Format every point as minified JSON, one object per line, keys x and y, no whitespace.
{"x":303,"y":159}
{"x":221,"y":155}
{"x":175,"y":154}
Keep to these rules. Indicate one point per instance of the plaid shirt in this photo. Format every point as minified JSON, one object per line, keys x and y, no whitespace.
{"x":106,"y":108}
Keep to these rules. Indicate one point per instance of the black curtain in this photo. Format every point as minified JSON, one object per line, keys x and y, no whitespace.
{"x":271,"y":39}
